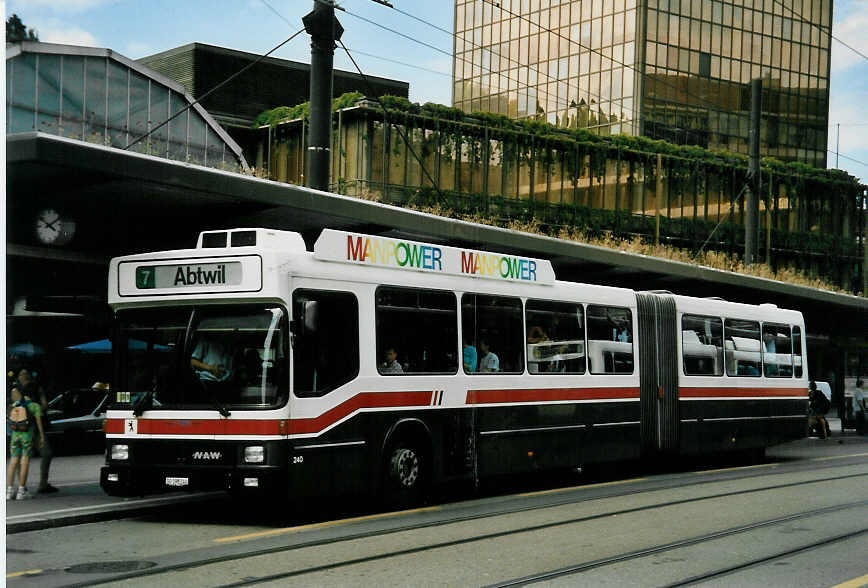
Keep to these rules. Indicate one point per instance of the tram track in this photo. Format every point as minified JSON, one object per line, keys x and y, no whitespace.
{"x":764,"y":560}
{"x":252,"y":553}
{"x":621,"y":558}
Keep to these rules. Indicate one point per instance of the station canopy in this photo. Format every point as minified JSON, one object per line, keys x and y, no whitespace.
{"x":98,"y":96}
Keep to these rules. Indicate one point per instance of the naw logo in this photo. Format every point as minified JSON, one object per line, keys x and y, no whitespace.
{"x":207,"y":455}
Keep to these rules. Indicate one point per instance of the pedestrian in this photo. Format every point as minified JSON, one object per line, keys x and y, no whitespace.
{"x":34,"y":392}
{"x":860,"y":408}
{"x":23,"y":414}
{"x":818,"y":406}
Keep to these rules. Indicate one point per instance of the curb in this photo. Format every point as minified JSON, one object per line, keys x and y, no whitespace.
{"x":101,"y":512}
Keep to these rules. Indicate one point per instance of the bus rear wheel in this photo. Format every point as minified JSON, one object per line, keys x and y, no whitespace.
{"x":405,"y":475}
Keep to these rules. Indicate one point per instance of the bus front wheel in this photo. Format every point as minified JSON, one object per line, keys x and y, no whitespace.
{"x":405,"y":474}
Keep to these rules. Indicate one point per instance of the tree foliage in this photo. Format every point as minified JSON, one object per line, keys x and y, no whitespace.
{"x":16,"y":31}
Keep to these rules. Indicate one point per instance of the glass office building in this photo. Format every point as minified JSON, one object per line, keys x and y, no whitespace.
{"x":678,"y":70}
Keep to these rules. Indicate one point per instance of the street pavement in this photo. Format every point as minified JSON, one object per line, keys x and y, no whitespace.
{"x":80,"y":498}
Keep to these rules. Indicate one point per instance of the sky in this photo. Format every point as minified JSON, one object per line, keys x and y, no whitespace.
{"x":136,"y":28}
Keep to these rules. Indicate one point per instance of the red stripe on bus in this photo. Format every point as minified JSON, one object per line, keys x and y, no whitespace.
{"x":357,"y":402}
{"x":550,"y":395}
{"x":198,"y":426}
{"x":741,"y":392}
{"x":272,"y":426}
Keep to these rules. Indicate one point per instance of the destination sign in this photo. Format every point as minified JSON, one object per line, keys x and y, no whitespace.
{"x":147,"y":277}
{"x":425,"y":257}
{"x":182,"y":276}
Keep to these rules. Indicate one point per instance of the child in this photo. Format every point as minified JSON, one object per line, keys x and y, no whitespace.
{"x":22,"y":413}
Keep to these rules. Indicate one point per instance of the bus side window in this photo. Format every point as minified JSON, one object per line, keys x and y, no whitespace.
{"x":777,"y":351}
{"x":797,"y":351}
{"x":742,"y":345}
{"x":610,"y":340}
{"x":421,"y":329}
{"x":492,"y":334}
{"x":702,"y":345}
{"x":555,"y":337}
{"x":325,"y":349}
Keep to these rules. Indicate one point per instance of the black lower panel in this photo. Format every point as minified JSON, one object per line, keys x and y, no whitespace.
{"x":517,"y":439}
{"x":710,"y":426}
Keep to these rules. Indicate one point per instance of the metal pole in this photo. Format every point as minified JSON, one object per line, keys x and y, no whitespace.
{"x":751,"y":225}
{"x":657,"y":197}
{"x":837,"y":146}
{"x":324,"y":30}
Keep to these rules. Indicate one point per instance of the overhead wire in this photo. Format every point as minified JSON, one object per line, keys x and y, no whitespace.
{"x":215,"y":88}
{"x":847,"y":157}
{"x":405,"y":64}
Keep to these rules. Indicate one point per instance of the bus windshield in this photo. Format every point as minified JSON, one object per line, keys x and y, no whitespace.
{"x":204,"y":357}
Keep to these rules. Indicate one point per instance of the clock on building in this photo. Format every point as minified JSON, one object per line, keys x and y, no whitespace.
{"x":52,"y":228}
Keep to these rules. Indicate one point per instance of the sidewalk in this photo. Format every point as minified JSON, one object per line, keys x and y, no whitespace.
{"x":80,"y":498}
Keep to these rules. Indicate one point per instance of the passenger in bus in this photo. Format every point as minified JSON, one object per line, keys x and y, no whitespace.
{"x":536,"y":334}
{"x":747,"y":369}
{"x":489,"y":362}
{"x":212,"y":360}
{"x":622,"y":334}
{"x":391,"y":365}
{"x":770,"y":347}
{"x":469,"y":357}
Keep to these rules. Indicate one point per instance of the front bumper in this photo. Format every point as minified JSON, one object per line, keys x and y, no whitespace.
{"x":131,"y":480}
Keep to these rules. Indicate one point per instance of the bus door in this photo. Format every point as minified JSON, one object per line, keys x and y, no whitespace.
{"x":658,"y":372}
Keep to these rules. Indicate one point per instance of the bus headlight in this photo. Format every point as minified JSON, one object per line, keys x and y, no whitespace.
{"x":254,"y":454}
{"x":120,"y":452}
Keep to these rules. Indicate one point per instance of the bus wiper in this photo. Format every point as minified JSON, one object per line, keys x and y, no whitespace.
{"x":143,"y":403}
{"x":221,"y":408}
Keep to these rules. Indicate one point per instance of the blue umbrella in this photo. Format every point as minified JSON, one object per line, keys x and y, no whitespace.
{"x":25,"y":349}
{"x":105,"y":346}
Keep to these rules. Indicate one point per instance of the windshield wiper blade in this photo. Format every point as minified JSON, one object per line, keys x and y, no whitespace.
{"x":143,"y":403}
{"x":221,"y":408}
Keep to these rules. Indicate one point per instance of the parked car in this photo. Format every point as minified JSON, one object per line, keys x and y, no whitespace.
{"x":77,"y":418}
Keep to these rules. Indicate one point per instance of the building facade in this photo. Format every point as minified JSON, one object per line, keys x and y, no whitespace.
{"x":99,"y":96}
{"x":678,"y":70}
{"x":270,"y":83}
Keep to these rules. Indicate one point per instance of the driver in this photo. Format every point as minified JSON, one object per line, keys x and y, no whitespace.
{"x":212,"y":360}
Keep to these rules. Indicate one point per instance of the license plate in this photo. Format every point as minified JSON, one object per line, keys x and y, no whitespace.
{"x":177,"y":481}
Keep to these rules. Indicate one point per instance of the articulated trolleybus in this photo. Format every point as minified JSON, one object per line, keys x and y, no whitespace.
{"x":372,"y":363}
